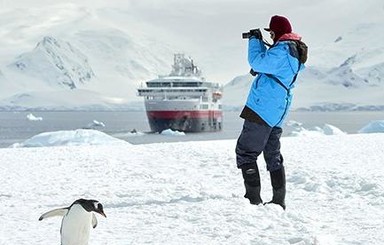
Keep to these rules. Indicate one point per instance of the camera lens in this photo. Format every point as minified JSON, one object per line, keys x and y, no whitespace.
{"x":246,"y":35}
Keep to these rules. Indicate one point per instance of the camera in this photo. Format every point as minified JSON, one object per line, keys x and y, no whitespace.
{"x":253,"y":32}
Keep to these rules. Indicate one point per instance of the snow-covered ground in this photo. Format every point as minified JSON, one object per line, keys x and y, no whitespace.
{"x":192,"y":193}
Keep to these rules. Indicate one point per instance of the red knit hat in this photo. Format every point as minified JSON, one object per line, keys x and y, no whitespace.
{"x":279,"y":25}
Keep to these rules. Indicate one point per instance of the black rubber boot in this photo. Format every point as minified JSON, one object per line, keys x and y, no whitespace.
{"x":278,"y":184}
{"x":252,"y":183}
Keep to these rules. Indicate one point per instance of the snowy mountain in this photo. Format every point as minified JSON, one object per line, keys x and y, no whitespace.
{"x":95,"y":54}
{"x":55,"y":62}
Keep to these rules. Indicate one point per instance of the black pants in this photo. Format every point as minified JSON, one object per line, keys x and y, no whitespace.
{"x":256,"y":138}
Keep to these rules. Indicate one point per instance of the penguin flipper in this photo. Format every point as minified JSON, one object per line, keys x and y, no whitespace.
{"x":94,"y":221}
{"x":54,"y":212}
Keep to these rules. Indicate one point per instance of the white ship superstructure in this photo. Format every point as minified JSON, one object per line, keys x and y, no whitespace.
{"x":183,"y":100}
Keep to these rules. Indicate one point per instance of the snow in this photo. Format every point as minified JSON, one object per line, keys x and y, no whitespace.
{"x":192,"y":193}
{"x":94,"y":124}
{"x":70,"y":138}
{"x":172,"y":132}
{"x":373,"y":127}
{"x":71,"y":65}
{"x":32,"y":117}
{"x":327,"y":129}
{"x":92,"y":55}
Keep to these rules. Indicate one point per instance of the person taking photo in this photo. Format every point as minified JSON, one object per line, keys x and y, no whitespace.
{"x":275,"y":69}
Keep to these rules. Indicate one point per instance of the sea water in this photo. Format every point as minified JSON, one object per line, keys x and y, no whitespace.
{"x":15,"y":127}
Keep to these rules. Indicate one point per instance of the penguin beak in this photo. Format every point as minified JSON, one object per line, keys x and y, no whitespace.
{"x":102,"y":213}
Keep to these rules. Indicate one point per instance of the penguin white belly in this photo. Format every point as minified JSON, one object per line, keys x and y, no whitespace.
{"x":75,"y":227}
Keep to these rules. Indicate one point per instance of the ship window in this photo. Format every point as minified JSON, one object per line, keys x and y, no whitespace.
{"x":158,"y":84}
{"x":204,"y":106}
{"x":186,"y":84}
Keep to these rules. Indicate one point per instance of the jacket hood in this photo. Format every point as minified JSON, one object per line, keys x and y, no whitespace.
{"x":290,"y":36}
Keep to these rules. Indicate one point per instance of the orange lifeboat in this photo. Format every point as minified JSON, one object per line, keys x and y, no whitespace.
{"x":217,"y":95}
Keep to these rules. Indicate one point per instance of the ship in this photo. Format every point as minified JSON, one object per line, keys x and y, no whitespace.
{"x":183,"y":100}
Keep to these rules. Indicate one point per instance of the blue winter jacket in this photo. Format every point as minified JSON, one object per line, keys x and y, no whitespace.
{"x":267,"y":98}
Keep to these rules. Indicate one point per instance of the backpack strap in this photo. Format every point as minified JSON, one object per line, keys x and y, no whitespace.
{"x":279,"y":82}
{"x":288,"y":89}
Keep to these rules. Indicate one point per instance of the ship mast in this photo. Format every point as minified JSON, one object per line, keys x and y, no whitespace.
{"x":184,"y":67}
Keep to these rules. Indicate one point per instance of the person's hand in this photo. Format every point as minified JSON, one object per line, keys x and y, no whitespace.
{"x":255,"y":33}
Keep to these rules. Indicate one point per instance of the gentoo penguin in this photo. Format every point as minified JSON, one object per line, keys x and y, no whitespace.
{"x":77,"y":220}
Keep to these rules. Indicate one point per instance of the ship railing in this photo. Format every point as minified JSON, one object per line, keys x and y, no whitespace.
{"x":186,"y":90}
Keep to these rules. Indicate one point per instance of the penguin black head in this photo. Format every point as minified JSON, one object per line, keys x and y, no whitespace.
{"x":91,"y":205}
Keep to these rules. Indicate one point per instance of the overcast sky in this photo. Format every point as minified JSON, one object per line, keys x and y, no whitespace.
{"x":224,"y":18}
